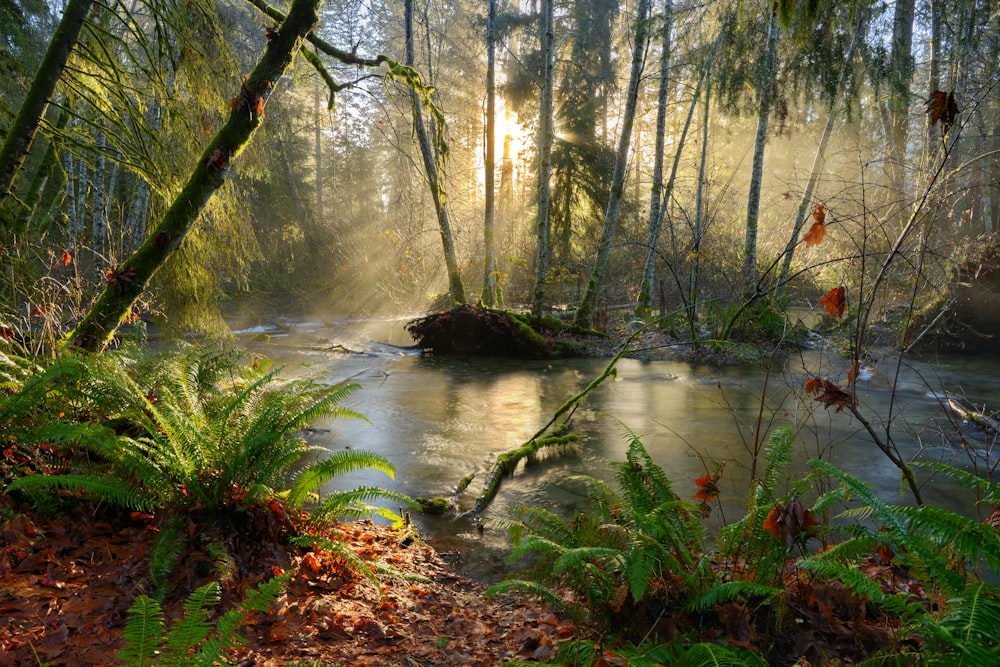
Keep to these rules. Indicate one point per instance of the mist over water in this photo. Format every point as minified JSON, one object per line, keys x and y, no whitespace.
{"x":440,"y":418}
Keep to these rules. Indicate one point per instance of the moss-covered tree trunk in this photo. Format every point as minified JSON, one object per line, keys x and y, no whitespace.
{"x":127,"y":282}
{"x":22,"y":132}
{"x":456,"y":289}
{"x":545,"y":133}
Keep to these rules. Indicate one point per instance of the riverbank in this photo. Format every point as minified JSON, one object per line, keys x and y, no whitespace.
{"x":68,"y":581}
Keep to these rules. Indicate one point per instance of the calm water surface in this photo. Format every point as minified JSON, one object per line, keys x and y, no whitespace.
{"x":439,"y":419}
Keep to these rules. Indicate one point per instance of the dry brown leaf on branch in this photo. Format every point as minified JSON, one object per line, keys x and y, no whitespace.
{"x":829,"y":393}
{"x":835,"y":302}
{"x":817,"y":232}
{"x":941,"y":106}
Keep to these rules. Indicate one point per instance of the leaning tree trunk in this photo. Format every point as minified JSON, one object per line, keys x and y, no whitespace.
{"x":455,"y":287}
{"x":585,"y":314}
{"x":757,"y":172}
{"x":127,"y":282}
{"x":22,"y":131}
{"x":545,"y":132}
{"x":644,"y":302}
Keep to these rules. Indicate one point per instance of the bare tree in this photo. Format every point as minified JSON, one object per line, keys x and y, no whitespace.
{"x":585,"y":313}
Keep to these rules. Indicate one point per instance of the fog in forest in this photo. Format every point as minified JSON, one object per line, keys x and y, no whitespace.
{"x":704,"y":157}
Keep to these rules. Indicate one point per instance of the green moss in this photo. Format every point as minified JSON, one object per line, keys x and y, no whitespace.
{"x":434,"y":506}
{"x":463,"y":483}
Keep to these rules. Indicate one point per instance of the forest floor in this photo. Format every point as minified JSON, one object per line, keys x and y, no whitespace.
{"x":66,"y":584}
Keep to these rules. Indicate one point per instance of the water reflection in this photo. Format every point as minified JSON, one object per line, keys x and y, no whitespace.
{"x":439,"y":419}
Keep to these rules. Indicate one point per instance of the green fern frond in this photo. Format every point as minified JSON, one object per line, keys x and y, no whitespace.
{"x":970,"y":540}
{"x":989,"y":489}
{"x":713,"y":655}
{"x":337,"y":464}
{"x":223,"y":564}
{"x":541,"y":521}
{"x":354,"y":503}
{"x":263,"y":596}
{"x":528,"y":588}
{"x":164,"y":556}
{"x":143,"y":633}
{"x":548,"y":550}
{"x":193,"y":627}
{"x":973,"y":621}
{"x":779,"y":457}
{"x":732,"y":590}
{"x":113,"y":490}
{"x":579,"y":557}
{"x":861,"y":584}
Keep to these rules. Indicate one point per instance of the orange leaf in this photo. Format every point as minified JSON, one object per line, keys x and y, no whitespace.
{"x":817,"y":232}
{"x":835,"y":302}
{"x":311,"y":562}
{"x":708,"y":488}
{"x":66,"y":258}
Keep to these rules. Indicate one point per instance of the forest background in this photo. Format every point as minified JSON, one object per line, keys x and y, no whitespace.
{"x":689,"y":146}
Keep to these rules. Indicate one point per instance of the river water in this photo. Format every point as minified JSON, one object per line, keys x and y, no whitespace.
{"x":438,"y":419}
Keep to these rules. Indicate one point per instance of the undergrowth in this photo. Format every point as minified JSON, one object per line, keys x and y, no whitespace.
{"x":879,"y":583}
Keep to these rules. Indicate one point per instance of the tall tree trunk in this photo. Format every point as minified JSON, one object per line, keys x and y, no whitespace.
{"x":585,"y":314}
{"x":653,"y":238}
{"x":127,"y":283}
{"x":934,"y":71}
{"x":98,"y":214}
{"x":699,"y":217}
{"x":22,"y":132}
{"x":897,"y":113}
{"x":505,"y":201}
{"x":489,"y":296}
{"x":318,"y":150}
{"x":765,"y":100}
{"x":644,"y":302}
{"x":545,"y":133}
{"x":434,"y":177}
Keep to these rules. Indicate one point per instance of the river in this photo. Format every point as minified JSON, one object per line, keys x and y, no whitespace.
{"x":438,"y":419}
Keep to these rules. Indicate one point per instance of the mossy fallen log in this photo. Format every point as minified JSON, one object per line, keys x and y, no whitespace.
{"x":507,"y":462}
{"x":977,"y":418}
{"x":470,"y":330}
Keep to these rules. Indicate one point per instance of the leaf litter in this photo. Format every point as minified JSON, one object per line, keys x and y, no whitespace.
{"x":66,"y":583}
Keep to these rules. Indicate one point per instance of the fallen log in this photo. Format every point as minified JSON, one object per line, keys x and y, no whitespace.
{"x":978,"y":418}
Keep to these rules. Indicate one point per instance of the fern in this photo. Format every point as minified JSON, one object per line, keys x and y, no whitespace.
{"x":192,"y":639}
{"x":193,"y":627}
{"x":989,"y":489}
{"x":143,"y":633}
{"x":338,"y":463}
{"x":733,"y":590}
{"x":636,"y":542}
{"x":972,"y":626}
{"x":114,"y":490}
{"x":163,"y":558}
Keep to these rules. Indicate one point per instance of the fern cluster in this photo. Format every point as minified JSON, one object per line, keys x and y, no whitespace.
{"x":953,"y":556}
{"x":198,"y":431}
{"x":193,"y":639}
{"x":641,"y":549}
{"x":638,"y":543}
{"x":194,"y":436}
